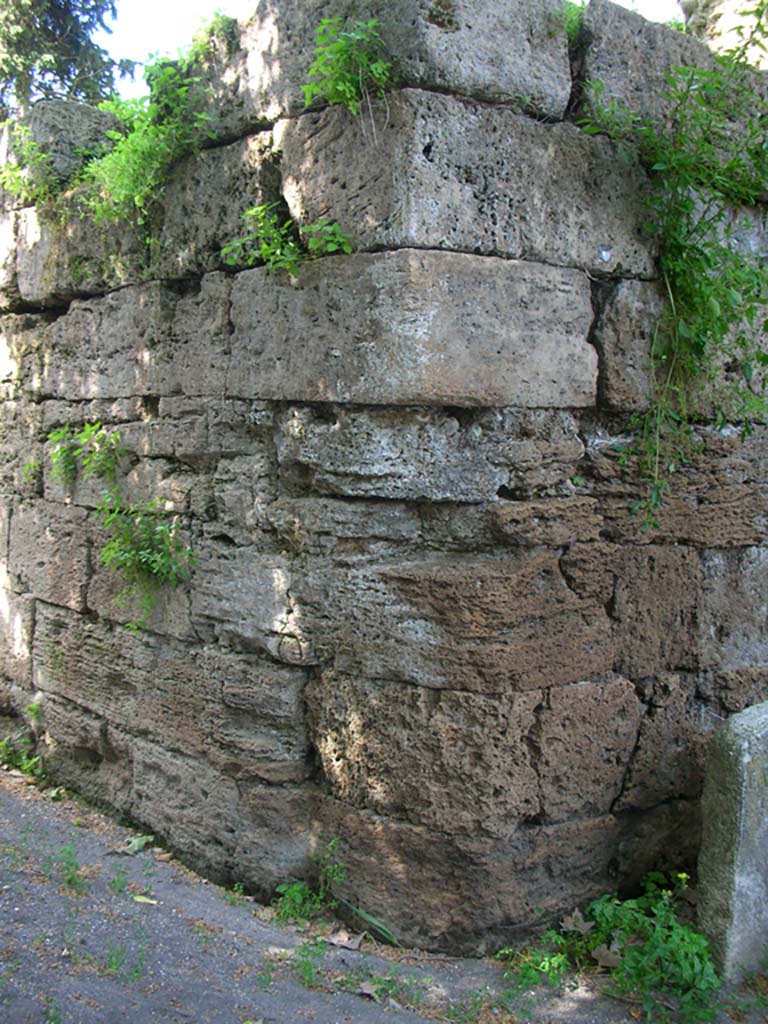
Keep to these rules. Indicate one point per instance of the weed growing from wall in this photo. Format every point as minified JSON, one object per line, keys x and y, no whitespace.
{"x":143,"y":544}
{"x":30,"y":178}
{"x":707,"y":158}
{"x":350,"y":64}
{"x":276,"y":243}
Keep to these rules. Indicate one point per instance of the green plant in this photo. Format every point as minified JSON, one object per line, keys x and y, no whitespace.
{"x":126,"y":182}
{"x":275,"y":242}
{"x":349,"y":64}
{"x":143,"y":544}
{"x":30,"y":178}
{"x":236,"y":898}
{"x":70,"y":869}
{"x":706,"y":158}
{"x":298,"y":902}
{"x":651,"y":954}
{"x":119,"y":882}
{"x":31,"y":470}
{"x":266,"y":241}
{"x":116,"y":958}
{"x":16,"y":751}
{"x":308,"y":955}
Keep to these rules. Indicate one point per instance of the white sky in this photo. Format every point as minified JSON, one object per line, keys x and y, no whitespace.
{"x":163,"y":27}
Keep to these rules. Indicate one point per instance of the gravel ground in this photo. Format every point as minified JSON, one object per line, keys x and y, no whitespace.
{"x":90,"y":935}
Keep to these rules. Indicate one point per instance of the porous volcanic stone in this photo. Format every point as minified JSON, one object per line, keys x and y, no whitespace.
{"x":447,"y":174}
{"x":412,"y":327}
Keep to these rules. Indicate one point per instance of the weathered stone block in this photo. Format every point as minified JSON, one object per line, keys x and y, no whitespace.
{"x":455,"y":762}
{"x":733,"y":887}
{"x":9,"y":289}
{"x":204,"y":201}
{"x":244,"y":599}
{"x":446,"y":174}
{"x":483,"y":625}
{"x":719,"y":500}
{"x":632,"y":56}
{"x":187,"y":803}
{"x":65,"y":132}
{"x":667,"y":763}
{"x":414,"y":328}
{"x":325,"y":526}
{"x":734,"y":609}
{"x":472,"y":894}
{"x":17,"y":617}
{"x":84,"y":751}
{"x":56,"y":262}
{"x":735,"y":689}
{"x":48,"y":552}
{"x":19,"y":343}
{"x":148,"y":340}
{"x":510,"y":52}
{"x":243,"y":716}
{"x":556,"y":522}
{"x":585,"y":737}
{"x":274,"y":839}
{"x":623,"y":336}
{"x":655,"y":610}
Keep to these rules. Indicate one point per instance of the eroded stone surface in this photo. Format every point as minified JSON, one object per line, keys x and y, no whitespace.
{"x":410,"y":327}
{"x":511,"y":52}
{"x":451,"y":175}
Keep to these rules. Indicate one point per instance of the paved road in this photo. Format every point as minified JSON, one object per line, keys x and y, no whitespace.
{"x":90,"y":936}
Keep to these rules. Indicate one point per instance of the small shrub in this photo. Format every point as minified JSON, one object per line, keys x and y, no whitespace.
{"x":299,"y":902}
{"x":275,"y":243}
{"x":30,"y":179}
{"x":349,"y":64}
{"x":651,"y":954}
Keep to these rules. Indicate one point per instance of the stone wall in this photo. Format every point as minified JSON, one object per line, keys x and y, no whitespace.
{"x":424,"y":618}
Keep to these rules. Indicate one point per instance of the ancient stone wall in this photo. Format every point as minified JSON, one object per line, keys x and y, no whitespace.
{"x":424,"y":618}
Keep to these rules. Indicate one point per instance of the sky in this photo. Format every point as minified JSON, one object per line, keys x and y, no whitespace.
{"x":163,"y":27}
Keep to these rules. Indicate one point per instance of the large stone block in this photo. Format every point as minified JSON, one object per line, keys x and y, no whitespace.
{"x":64,"y":131}
{"x":556,"y":522}
{"x":504,"y":52}
{"x":425,"y":454}
{"x":733,"y":886}
{"x":585,"y":737}
{"x":445,"y":174}
{"x":413,"y":328}
{"x":733,"y":627}
{"x":49,"y":552}
{"x":632,"y":57}
{"x":274,"y":839}
{"x":190,"y":805}
{"x":240,"y":714}
{"x":456,"y":762}
{"x":151,"y":340}
{"x":479,"y":624}
{"x":9,"y":288}
{"x":204,"y":200}
{"x":17,"y":618}
{"x":59,"y":260}
{"x":86,"y":752}
{"x":655,"y":610}
{"x":667,"y":762}
{"x":244,"y":599}
{"x":718,"y":500}
{"x":462,"y":894}
{"x":322,"y":526}
{"x":623,"y":336}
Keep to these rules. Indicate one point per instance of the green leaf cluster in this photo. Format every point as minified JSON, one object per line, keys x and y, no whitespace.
{"x":299,"y":902}
{"x":349,"y":65}
{"x":651,"y":954}
{"x":705,"y":162}
{"x":143,"y":545}
{"x":275,"y":242}
{"x":126,"y":182}
{"x":46,"y":52}
{"x":29,"y":177}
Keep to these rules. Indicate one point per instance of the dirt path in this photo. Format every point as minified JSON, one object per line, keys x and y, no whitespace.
{"x":90,"y":936}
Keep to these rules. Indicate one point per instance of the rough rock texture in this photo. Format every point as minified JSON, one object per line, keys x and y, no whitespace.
{"x":423,"y":616}
{"x":458,"y":175}
{"x":514,"y":52}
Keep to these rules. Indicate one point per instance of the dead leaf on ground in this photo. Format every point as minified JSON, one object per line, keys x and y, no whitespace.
{"x":576,"y":922}
{"x":606,"y":957}
{"x":368,"y":990}
{"x":342,"y":938}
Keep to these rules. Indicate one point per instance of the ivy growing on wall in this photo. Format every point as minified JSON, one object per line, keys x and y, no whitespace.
{"x":706,"y":162}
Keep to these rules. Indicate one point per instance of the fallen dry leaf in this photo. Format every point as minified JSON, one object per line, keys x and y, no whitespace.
{"x":605,"y":956}
{"x":342,"y":938}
